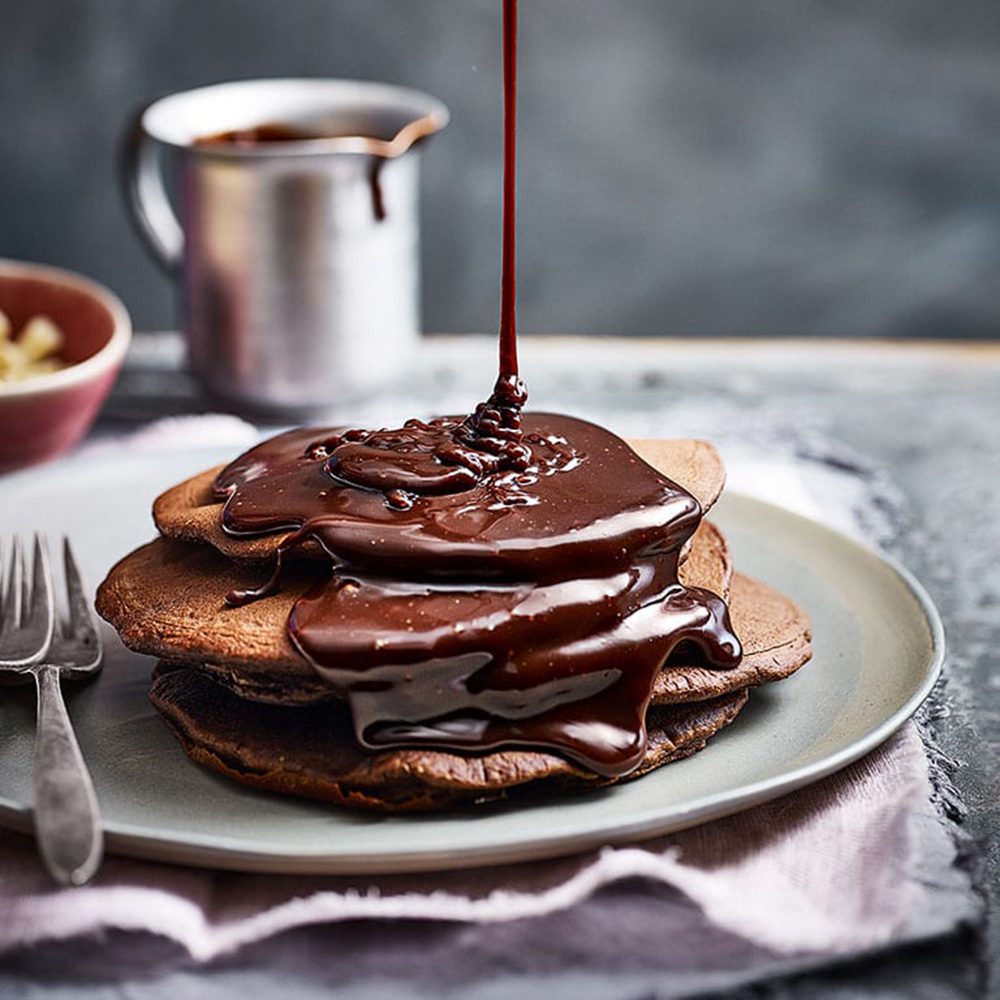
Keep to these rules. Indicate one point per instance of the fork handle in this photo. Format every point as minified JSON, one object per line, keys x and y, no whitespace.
{"x":67,"y":819}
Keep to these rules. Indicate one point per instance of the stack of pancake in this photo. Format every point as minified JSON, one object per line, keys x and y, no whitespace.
{"x":244,"y":701}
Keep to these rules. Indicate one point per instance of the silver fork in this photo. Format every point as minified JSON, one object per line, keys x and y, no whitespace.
{"x":67,"y":818}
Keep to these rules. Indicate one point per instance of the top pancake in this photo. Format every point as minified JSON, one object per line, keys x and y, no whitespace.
{"x":190,"y":512}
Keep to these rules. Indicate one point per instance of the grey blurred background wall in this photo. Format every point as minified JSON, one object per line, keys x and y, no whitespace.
{"x":687,"y":166}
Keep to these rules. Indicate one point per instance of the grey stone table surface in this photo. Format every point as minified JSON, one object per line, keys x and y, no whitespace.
{"x":922,"y":418}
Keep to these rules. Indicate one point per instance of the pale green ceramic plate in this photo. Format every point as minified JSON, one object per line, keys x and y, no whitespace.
{"x":878,"y":649}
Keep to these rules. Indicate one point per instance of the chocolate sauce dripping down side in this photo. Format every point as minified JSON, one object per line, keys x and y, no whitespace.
{"x":498,"y":580}
{"x":375,"y":186}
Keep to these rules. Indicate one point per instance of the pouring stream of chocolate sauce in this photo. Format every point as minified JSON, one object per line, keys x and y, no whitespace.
{"x":498,"y":580}
{"x":508,"y":279}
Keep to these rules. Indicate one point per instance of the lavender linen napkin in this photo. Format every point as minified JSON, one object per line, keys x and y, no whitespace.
{"x":845,"y":867}
{"x":828,"y":870}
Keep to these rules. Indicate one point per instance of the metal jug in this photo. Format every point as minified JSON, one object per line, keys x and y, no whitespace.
{"x":298,"y":260}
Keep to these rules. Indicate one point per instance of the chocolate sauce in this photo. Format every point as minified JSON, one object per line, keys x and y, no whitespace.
{"x":375,"y":186}
{"x":266,"y":133}
{"x":529,"y":604}
{"x":495,"y":580}
{"x":508,"y":281}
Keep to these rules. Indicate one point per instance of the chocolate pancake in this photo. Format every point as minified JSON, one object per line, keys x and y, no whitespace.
{"x":310,"y":751}
{"x":167,"y":599}
{"x":774,"y":630}
{"x":191,"y":512}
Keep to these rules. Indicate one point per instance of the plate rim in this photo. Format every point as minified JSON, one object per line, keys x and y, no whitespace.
{"x":212,"y":851}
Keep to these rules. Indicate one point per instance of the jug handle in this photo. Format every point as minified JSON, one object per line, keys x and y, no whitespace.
{"x":147,"y":198}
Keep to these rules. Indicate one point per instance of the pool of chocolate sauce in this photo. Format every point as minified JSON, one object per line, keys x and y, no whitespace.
{"x":267,"y":132}
{"x":495,"y":580}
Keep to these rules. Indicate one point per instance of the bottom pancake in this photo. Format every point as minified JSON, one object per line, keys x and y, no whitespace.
{"x":310,"y":751}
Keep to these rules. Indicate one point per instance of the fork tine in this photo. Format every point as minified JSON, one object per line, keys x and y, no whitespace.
{"x":6,"y":604}
{"x":40,"y":607}
{"x":79,"y":610}
{"x":31,"y":578}
{"x":12,"y":592}
{"x":39,"y":578}
{"x":8,"y":621}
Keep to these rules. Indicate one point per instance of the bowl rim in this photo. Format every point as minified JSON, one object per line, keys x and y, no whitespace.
{"x":109,"y":356}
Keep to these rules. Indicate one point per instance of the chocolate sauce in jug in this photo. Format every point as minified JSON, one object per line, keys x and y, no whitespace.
{"x":502,"y":579}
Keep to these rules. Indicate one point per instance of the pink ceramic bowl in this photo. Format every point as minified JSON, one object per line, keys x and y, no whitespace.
{"x":43,"y":416}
